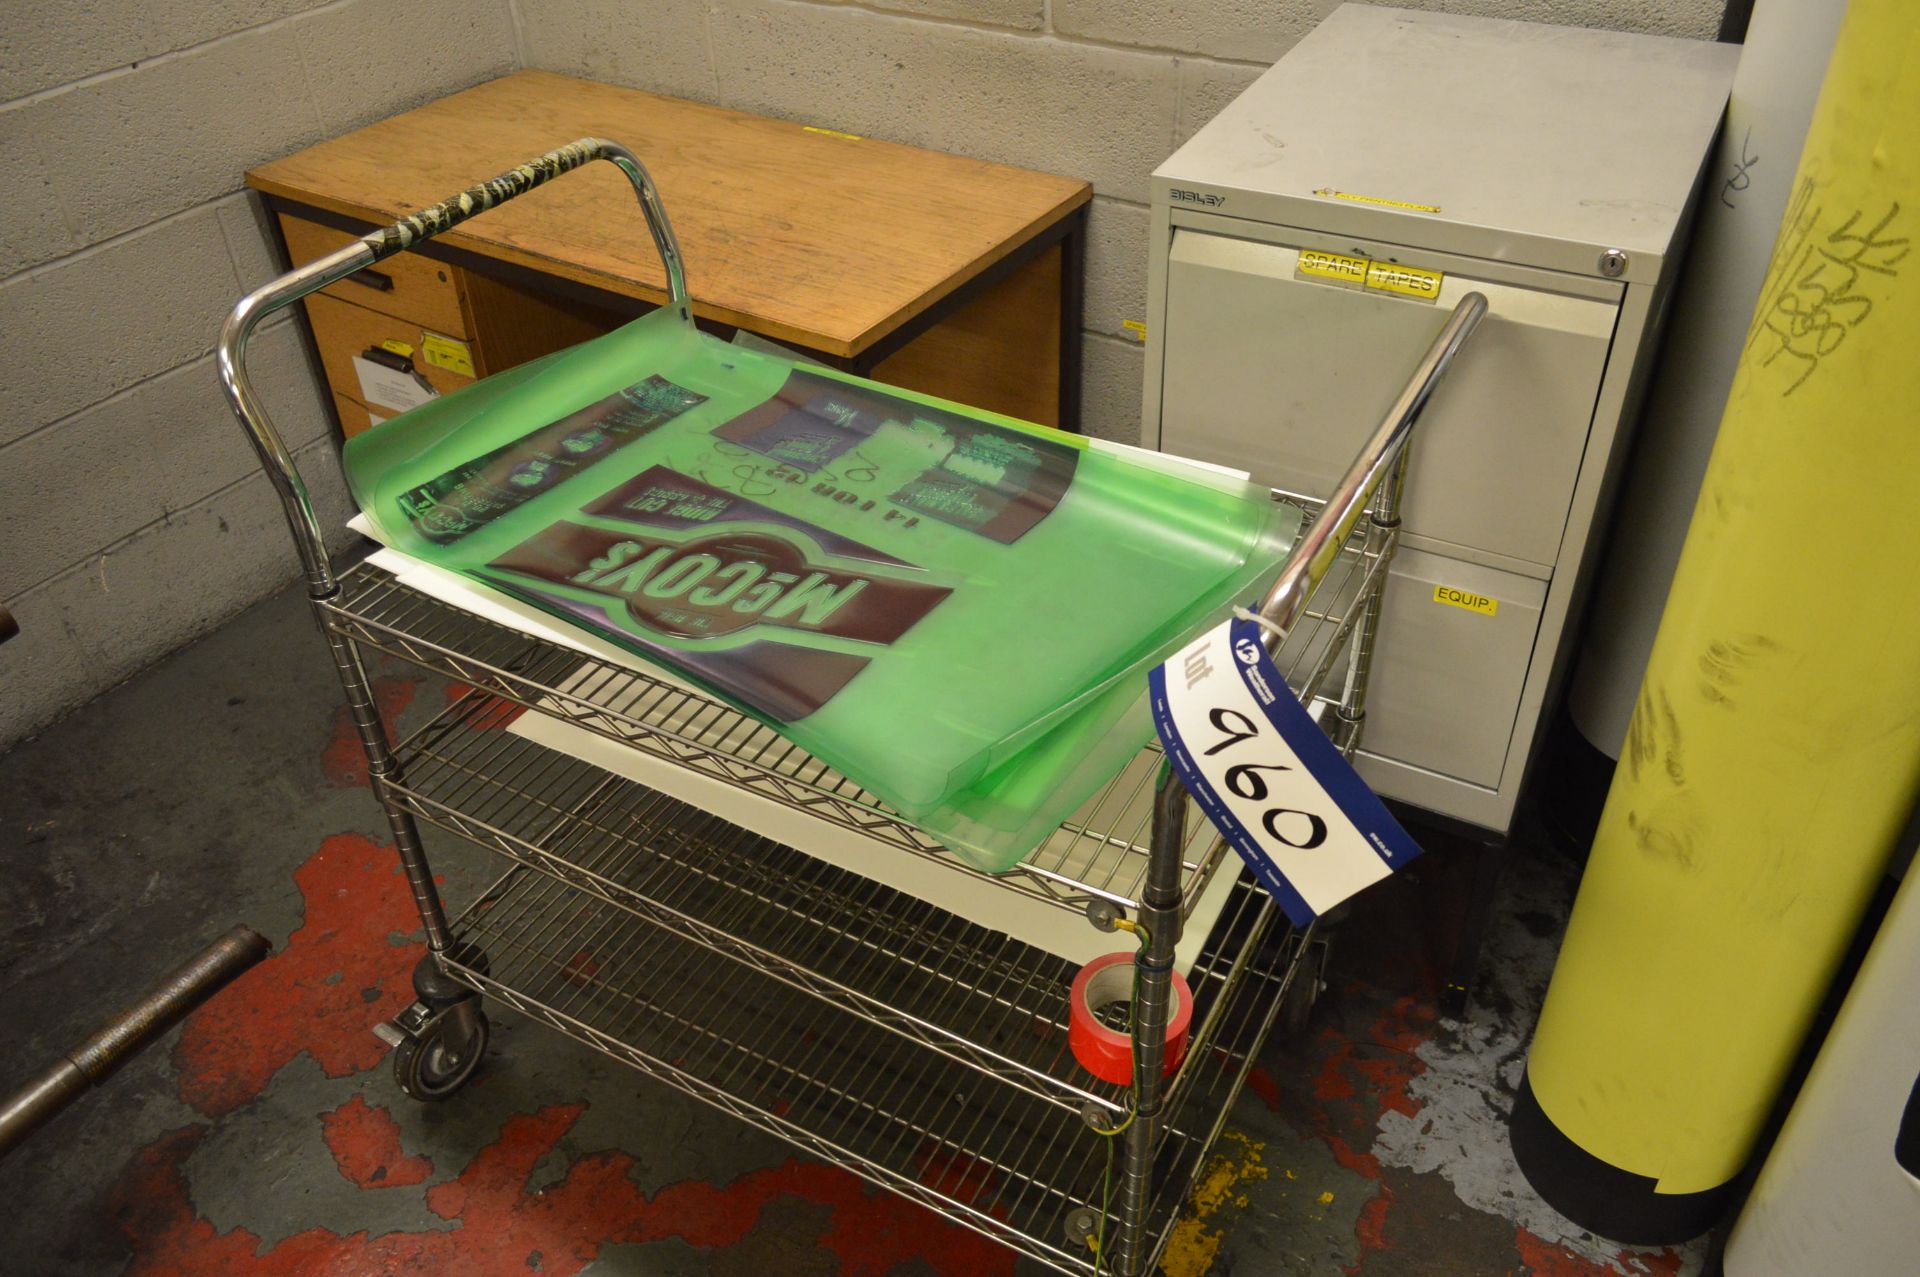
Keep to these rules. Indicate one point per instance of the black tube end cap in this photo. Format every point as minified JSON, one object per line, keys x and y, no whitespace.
{"x":1600,"y":1197}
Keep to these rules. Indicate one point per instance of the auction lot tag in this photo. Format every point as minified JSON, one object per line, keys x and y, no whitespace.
{"x":1268,"y":777}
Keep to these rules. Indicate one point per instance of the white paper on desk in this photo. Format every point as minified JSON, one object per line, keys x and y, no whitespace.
{"x":945,"y":884}
{"x":390,"y":387}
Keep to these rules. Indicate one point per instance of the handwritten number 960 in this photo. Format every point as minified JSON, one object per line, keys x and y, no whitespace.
{"x":1245,"y":781}
{"x":1245,"y":731}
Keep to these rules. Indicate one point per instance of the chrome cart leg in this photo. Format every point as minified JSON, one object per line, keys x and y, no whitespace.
{"x":1383,"y":534}
{"x":439,"y":1040}
{"x":1152,"y":1007}
{"x":381,"y":768}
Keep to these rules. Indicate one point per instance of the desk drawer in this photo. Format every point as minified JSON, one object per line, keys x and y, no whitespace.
{"x":406,"y":285}
{"x":342,"y":332}
{"x":355,"y":417}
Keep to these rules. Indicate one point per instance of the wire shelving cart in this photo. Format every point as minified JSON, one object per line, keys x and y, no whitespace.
{"x":917,"y":1048}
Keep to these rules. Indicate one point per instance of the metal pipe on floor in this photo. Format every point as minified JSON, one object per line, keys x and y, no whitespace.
{"x":123,"y":1037}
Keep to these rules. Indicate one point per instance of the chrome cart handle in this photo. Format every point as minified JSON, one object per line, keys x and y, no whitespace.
{"x":364,"y":252}
{"x":1317,"y":549}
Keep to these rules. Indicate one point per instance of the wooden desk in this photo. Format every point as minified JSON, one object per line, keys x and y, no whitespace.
{"x":947,"y":275}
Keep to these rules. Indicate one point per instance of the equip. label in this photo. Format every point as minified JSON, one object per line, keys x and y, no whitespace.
{"x":1351,"y":271}
{"x":1467,"y":599}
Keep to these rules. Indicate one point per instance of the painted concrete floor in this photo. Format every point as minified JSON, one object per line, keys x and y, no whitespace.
{"x":267,"y":1137}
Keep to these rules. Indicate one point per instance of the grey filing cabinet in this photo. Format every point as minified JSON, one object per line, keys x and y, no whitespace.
{"x":1308,"y":244}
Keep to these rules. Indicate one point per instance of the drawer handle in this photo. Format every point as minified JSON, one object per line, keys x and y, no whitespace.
{"x":377,"y":280}
{"x":388,"y":359}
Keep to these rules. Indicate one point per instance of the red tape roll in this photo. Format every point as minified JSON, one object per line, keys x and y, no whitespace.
{"x":1104,"y":1052}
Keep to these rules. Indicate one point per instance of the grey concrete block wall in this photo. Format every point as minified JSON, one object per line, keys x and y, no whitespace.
{"x":78,"y":330}
{"x":1024,"y":15}
{"x":173,"y":133}
{"x":1206,"y":87}
{"x":48,"y":43}
{"x":1689,"y":19}
{"x":661,"y":46}
{"x":1097,"y":112}
{"x":1111,"y":369}
{"x":1116,"y":266}
{"x":105,"y":618}
{"x":1100,"y":89}
{"x":132,"y":513}
{"x":1249,"y":30}
{"x":125,"y":463}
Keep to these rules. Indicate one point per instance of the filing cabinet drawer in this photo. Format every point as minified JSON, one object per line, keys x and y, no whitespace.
{"x":343,"y":332}
{"x":1285,"y":374}
{"x":1450,"y":664}
{"x":406,"y":285}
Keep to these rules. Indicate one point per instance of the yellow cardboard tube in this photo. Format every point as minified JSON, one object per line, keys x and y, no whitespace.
{"x":1774,"y":751}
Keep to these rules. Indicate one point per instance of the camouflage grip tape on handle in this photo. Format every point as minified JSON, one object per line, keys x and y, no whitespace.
{"x":450,"y":212}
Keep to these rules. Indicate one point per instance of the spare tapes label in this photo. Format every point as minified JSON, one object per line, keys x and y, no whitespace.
{"x":1408,"y":281}
{"x":1351,"y":271}
{"x":1366,"y":272}
{"x":1268,"y":777}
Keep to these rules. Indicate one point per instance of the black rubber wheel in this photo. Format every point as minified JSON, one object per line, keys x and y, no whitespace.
{"x":444,"y":1056}
{"x":1297,"y":1007}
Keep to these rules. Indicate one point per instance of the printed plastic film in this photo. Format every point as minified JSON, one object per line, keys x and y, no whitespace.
{"x":954,"y":609}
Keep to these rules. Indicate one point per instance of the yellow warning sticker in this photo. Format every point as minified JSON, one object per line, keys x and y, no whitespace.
{"x":1351,"y":271}
{"x":399,"y":348}
{"x":844,"y":137}
{"x":1466,"y":599}
{"x":1134,"y":326}
{"x":445,"y":352}
{"x":1408,"y":281}
{"x":1328,"y":192}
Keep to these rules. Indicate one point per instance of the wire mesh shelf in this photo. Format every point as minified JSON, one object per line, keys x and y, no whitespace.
{"x":1100,"y":855}
{"x":982,"y":998}
{"x":1001,"y":1161}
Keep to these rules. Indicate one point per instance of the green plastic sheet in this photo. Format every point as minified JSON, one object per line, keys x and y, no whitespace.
{"x":954,"y":609}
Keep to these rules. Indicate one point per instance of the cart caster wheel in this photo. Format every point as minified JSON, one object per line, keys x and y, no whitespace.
{"x":1309,"y":980}
{"x":443,"y":1056}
